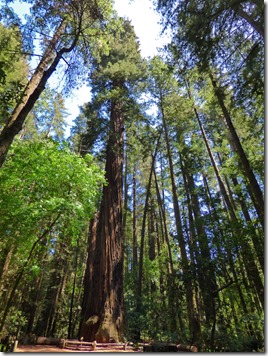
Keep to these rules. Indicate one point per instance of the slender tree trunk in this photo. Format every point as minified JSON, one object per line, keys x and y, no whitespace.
{"x":151,"y":230}
{"x":196,"y":273}
{"x":124,"y":214}
{"x":57,"y":280}
{"x":185,"y":264}
{"x":70,"y":328}
{"x":89,"y":303}
{"x":152,"y":242}
{"x":135,"y":231}
{"x":213,"y":162}
{"x":35,"y":300}
{"x":6,"y":255}
{"x":57,"y":307}
{"x":254,"y":188}
{"x":163,"y":220}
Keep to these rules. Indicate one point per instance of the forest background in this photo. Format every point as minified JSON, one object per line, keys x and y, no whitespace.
{"x":148,"y":221}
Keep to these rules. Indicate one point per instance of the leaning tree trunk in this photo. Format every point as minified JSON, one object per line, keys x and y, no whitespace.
{"x":31,"y":93}
{"x":36,"y":85}
{"x":103,"y":317}
{"x":253,"y":185}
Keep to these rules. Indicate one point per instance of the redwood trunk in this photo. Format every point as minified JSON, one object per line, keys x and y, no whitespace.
{"x":103,"y":318}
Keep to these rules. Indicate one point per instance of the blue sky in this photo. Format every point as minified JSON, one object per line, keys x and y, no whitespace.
{"x":145,"y":22}
{"x":147,"y":28}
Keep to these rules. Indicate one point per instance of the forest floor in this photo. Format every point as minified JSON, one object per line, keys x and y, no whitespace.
{"x":52,"y":348}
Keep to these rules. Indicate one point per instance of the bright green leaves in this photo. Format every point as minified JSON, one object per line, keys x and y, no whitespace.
{"x":42,"y":180}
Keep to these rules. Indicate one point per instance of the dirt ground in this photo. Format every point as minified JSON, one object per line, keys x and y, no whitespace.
{"x":51,"y":348}
{"x":40,"y":348}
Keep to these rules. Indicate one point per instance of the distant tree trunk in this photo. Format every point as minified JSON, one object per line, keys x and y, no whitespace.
{"x":245,"y":248}
{"x":143,"y":230}
{"x":34,"y":302}
{"x":89,"y":305}
{"x":124,"y":217}
{"x":104,"y":315}
{"x":199,"y":243}
{"x":33,"y":292}
{"x":152,"y":241}
{"x":214,"y":165}
{"x":163,"y":221}
{"x":151,"y":230}
{"x":70,"y":327}
{"x":135,"y":231}
{"x":196,"y":274}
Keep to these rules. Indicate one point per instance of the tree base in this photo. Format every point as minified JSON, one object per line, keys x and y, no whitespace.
{"x":105,"y":330}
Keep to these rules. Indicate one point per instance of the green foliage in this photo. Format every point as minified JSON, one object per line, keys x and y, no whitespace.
{"x":15,"y":322}
{"x":41,"y":179}
{"x":122,"y":66}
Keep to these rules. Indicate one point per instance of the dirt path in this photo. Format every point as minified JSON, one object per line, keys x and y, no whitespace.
{"x":40,"y":348}
{"x":51,"y":348}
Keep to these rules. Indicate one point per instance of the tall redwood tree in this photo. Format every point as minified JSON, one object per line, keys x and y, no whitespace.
{"x":103,"y":305}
